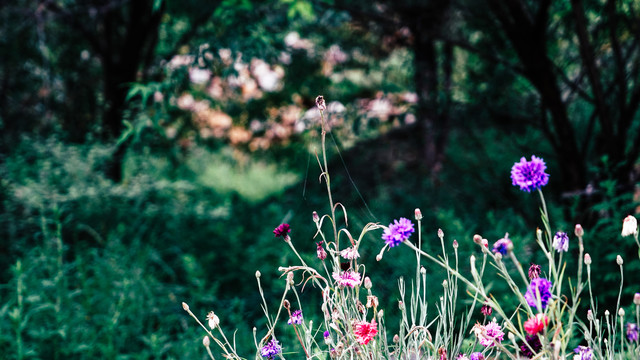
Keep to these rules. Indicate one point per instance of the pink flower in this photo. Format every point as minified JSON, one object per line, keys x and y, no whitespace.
{"x":536,"y":324}
{"x":488,"y":334}
{"x":365,"y":331}
{"x":350,"y":253}
{"x":347,"y":278}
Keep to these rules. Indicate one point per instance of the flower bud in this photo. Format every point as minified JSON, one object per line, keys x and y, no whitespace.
{"x":258,"y":274}
{"x":629,"y":226}
{"x":315,"y":216}
{"x":587,"y":259}
{"x":619,"y":260}
{"x":418,"y":214}
{"x":579,"y":231}
{"x":445,"y":284}
{"x":367,"y":283}
{"x":477,"y":239}
{"x":423,"y":270}
{"x":636,"y":298}
{"x":396,"y":338}
{"x":206,"y":342}
{"x":621,"y":312}
{"x":498,"y":257}
{"x":589,"y":315}
{"x":440,"y":233}
{"x":320,"y":103}
{"x":455,"y":244}
{"x":185,"y":306}
{"x":607,"y":313}
{"x":290,"y":278}
{"x":286,"y":304}
{"x":380,"y":314}
{"x":378,"y":257}
{"x":400,"y":305}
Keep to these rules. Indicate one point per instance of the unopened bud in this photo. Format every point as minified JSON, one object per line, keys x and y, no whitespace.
{"x":205,"y":341}
{"x":380,"y":314}
{"x":587,"y":259}
{"x":455,"y":244}
{"x":315,"y":216}
{"x":607,"y":313}
{"x":367,"y":283}
{"x":396,"y":338}
{"x":589,"y":315}
{"x":185,"y":306}
{"x":378,"y":257}
{"x":286,"y":304}
{"x":636,"y":298}
{"x":258,"y":274}
{"x":440,"y":233}
{"x":579,"y":231}
{"x":498,"y":257}
{"x":511,"y":336}
{"x":290,"y":278}
{"x":423,"y":270}
{"x":400,"y":305}
{"x":619,"y":260}
{"x":418,"y":214}
{"x":445,"y":284}
{"x":477,"y":239}
{"x":621,"y":312}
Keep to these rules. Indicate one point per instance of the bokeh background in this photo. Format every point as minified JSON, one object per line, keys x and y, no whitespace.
{"x":149,"y":147}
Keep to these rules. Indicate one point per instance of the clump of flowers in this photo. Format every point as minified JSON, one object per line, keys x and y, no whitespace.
{"x":489,"y":334}
{"x":296,"y":318}
{"x":538,"y":290}
{"x":503,"y":246}
{"x":347,"y":278}
{"x":529,"y":175}
{"x":583,"y":353}
{"x":561,"y":241}
{"x":271,"y":349}
{"x":397,"y":232}
{"x":365,"y":331}
{"x":536,"y":324}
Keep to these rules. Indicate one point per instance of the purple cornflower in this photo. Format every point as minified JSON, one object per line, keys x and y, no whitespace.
{"x":271,"y":349}
{"x":583,"y":353}
{"x":534,"y":344}
{"x":282,"y":230}
{"x":538,"y":287}
{"x":476,"y":356}
{"x":632,"y":332}
{"x":326,"y":334}
{"x":397,"y":232}
{"x":296,"y":318}
{"x":534,"y":271}
{"x":503,"y":246}
{"x":561,"y":241}
{"x":529,"y":175}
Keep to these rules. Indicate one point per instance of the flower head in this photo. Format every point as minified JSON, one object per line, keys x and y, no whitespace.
{"x":538,"y":290}
{"x":476,"y":356}
{"x":583,"y":353}
{"x":350,"y":253}
{"x":282,"y":230}
{"x":365,"y":331}
{"x":213,"y":320}
{"x":271,"y":349}
{"x":561,"y":241}
{"x":629,"y":226}
{"x":489,"y":334}
{"x":296,"y":318}
{"x":486,"y":310}
{"x":532,"y":343}
{"x":632,"y":332}
{"x":503,"y":246}
{"x":347,"y":278}
{"x":534,"y":271}
{"x":397,"y":232}
{"x":536,"y":324}
{"x":529,"y":175}
{"x":322,"y":254}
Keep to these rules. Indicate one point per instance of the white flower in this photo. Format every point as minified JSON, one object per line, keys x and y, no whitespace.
{"x":350,"y":253}
{"x":629,"y":226}
{"x":213,"y":319}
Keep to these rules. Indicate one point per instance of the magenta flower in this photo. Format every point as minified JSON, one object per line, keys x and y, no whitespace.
{"x":538,"y":290}
{"x":271,"y":349}
{"x":296,"y":318}
{"x":282,"y":230}
{"x":397,"y":232}
{"x":529,"y":175}
{"x":347,"y":278}
{"x":534,"y":271}
{"x":488,"y":335}
{"x":476,"y":356}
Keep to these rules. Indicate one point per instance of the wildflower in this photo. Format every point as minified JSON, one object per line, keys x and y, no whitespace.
{"x":587,"y":259}
{"x":583,"y":353}
{"x":488,"y":334}
{"x":282,"y":230}
{"x":462,"y":357}
{"x":271,"y":349}
{"x":365,"y":331}
{"x":538,"y":291}
{"x":315,"y":217}
{"x":534,"y":271}
{"x":320,"y":103}
{"x":529,"y":175}
{"x":397,"y":232}
{"x":296,"y":318}
{"x":486,"y":310}
{"x":476,"y":356}
{"x":350,"y":253}
{"x":503,"y":246}
{"x":629,"y":226}
{"x":326,"y":334}
{"x":322,"y":254}
{"x":579,"y":231}
{"x":632,"y":332}
{"x":418,"y":214}
{"x":636,"y":298}
{"x":443,"y":353}
{"x":347,"y":278}
{"x":561,"y":241}
{"x":532,"y":343}
{"x":536,"y":324}
{"x":372,"y":301}
{"x":213,"y":320}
